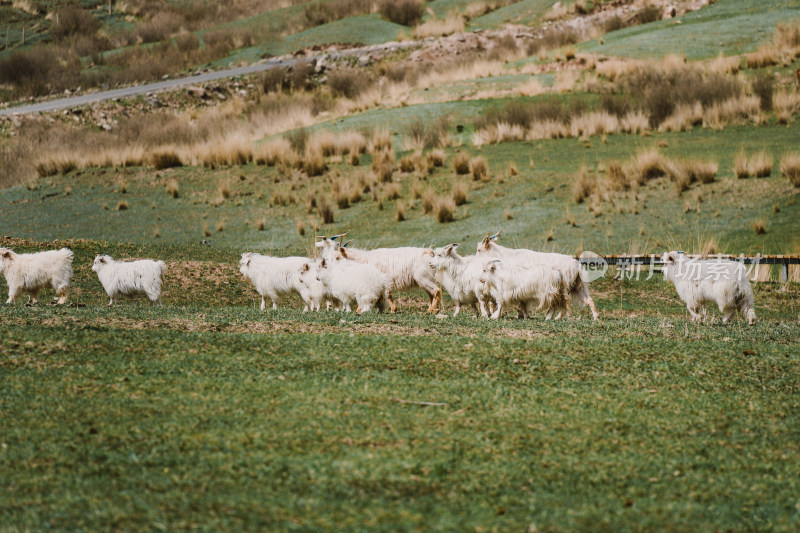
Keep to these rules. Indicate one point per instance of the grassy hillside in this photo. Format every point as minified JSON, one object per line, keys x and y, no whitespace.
{"x":209,"y":414}
{"x":727,"y":27}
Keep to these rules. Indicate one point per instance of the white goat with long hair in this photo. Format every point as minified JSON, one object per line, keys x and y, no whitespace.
{"x":704,"y":281}
{"x":317,"y":292}
{"x":129,"y":278}
{"x":275,"y":277}
{"x":461,"y":278}
{"x":574,"y":285}
{"x":354,"y":284}
{"x":33,"y":272}
{"x":529,"y":287}
{"x":406,"y":267}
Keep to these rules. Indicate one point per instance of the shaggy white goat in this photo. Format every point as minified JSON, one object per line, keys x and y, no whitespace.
{"x":570,"y":268}
{"x":33,"y":272}
{"x":129,"y":278}
{"x":354,"y":283}
{"x":406,"y":267}
{"x":710,"y":281}
{"x":274,"y":277}
{"x":317,"y":293}
{"x":461,"y":278}
{"x":531,"y":287}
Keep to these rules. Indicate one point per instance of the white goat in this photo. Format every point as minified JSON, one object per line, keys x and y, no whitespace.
{"x":317,"y":293}
{"x":710,"y":281}
{"x":512,"y":284}
{"x":275,"y":277}
{"x":570,"y":268}
{"x":406,"y":267}
{"x":354,"y":283}
{"x":129,"y":278}
{"x":33,"y":272}
{"x":461,"y":278}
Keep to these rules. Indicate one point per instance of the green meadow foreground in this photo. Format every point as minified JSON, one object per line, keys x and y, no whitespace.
{"x":210,"y":414}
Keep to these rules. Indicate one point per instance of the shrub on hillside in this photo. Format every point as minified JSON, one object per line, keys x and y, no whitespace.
{"x":405,"y":12}
{"x":790,"y":167}
{"x":762,"y":87}
{"x":348,"y":82}
{"x":73,"y":21}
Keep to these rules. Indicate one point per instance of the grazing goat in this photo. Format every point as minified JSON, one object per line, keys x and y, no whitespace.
{"x":460,"y":277}
{"x":274,"y":277}
{"x":406,"y":267}
{"x":129,"y":278}
{"x":33,"y":272}
{"x":570,"y":268}
{"x":354,"y":283}
{"x":717,"y":281}
{"x":511,"y":284}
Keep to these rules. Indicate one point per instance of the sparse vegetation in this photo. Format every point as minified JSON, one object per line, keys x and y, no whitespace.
{"x":461,"y":163}
{"x":478,"y":168}
{"x":460,"y":192}
{"x":790,"y":167}
{"x":444,"y":208}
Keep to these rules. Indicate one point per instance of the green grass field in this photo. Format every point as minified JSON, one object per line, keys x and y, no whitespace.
{"x":209,"y":414}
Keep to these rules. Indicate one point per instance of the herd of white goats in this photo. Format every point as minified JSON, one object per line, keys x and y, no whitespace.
{"x":492,"y":281}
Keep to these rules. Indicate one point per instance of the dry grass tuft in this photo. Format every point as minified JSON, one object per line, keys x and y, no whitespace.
{"x":512,"y":169}
{"x":225,"y":191}
{"x":461,"y":163}
{"x":428,"y":201}
{"x":616,"y":178}
{"x":122,"y":205}
{"x":790,"y":167}
{"x":408,"y":163}
{"x":400,"y":212}
{"x":325,"y":212}
{"x":453,"y":23}
{"x":381,"y":141}
{"x":172,"y":188}
{"x":758,"y":165}
{"x":479,"y":168}
{"x":301,"y":227}
{"x":313,"y":163}
{"x":391,"y":191}
{"x":760,"y":226}
{"x":650,"y":164}
{"x":444,"y":209}
{"x":165,"y":159}
{"x":583,"y":186}
{"x":460,"y":193}
{"x":435,"y":158}
{"x":507,"y":214}
{"x":275,"y":151}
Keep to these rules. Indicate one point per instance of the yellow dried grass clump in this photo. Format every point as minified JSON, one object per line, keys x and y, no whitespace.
{"x":790,"y":167}
{"x":453,"y":23}
{"x":758,"y":165}
{"x":275,"y":151}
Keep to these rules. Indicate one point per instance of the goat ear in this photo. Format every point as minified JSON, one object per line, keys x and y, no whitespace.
{"x":305,"y":268}
{"x":671,"y":257}
{"x":486,"y":239}
{"x":323,"y":264}
{"x":7,"y":254}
